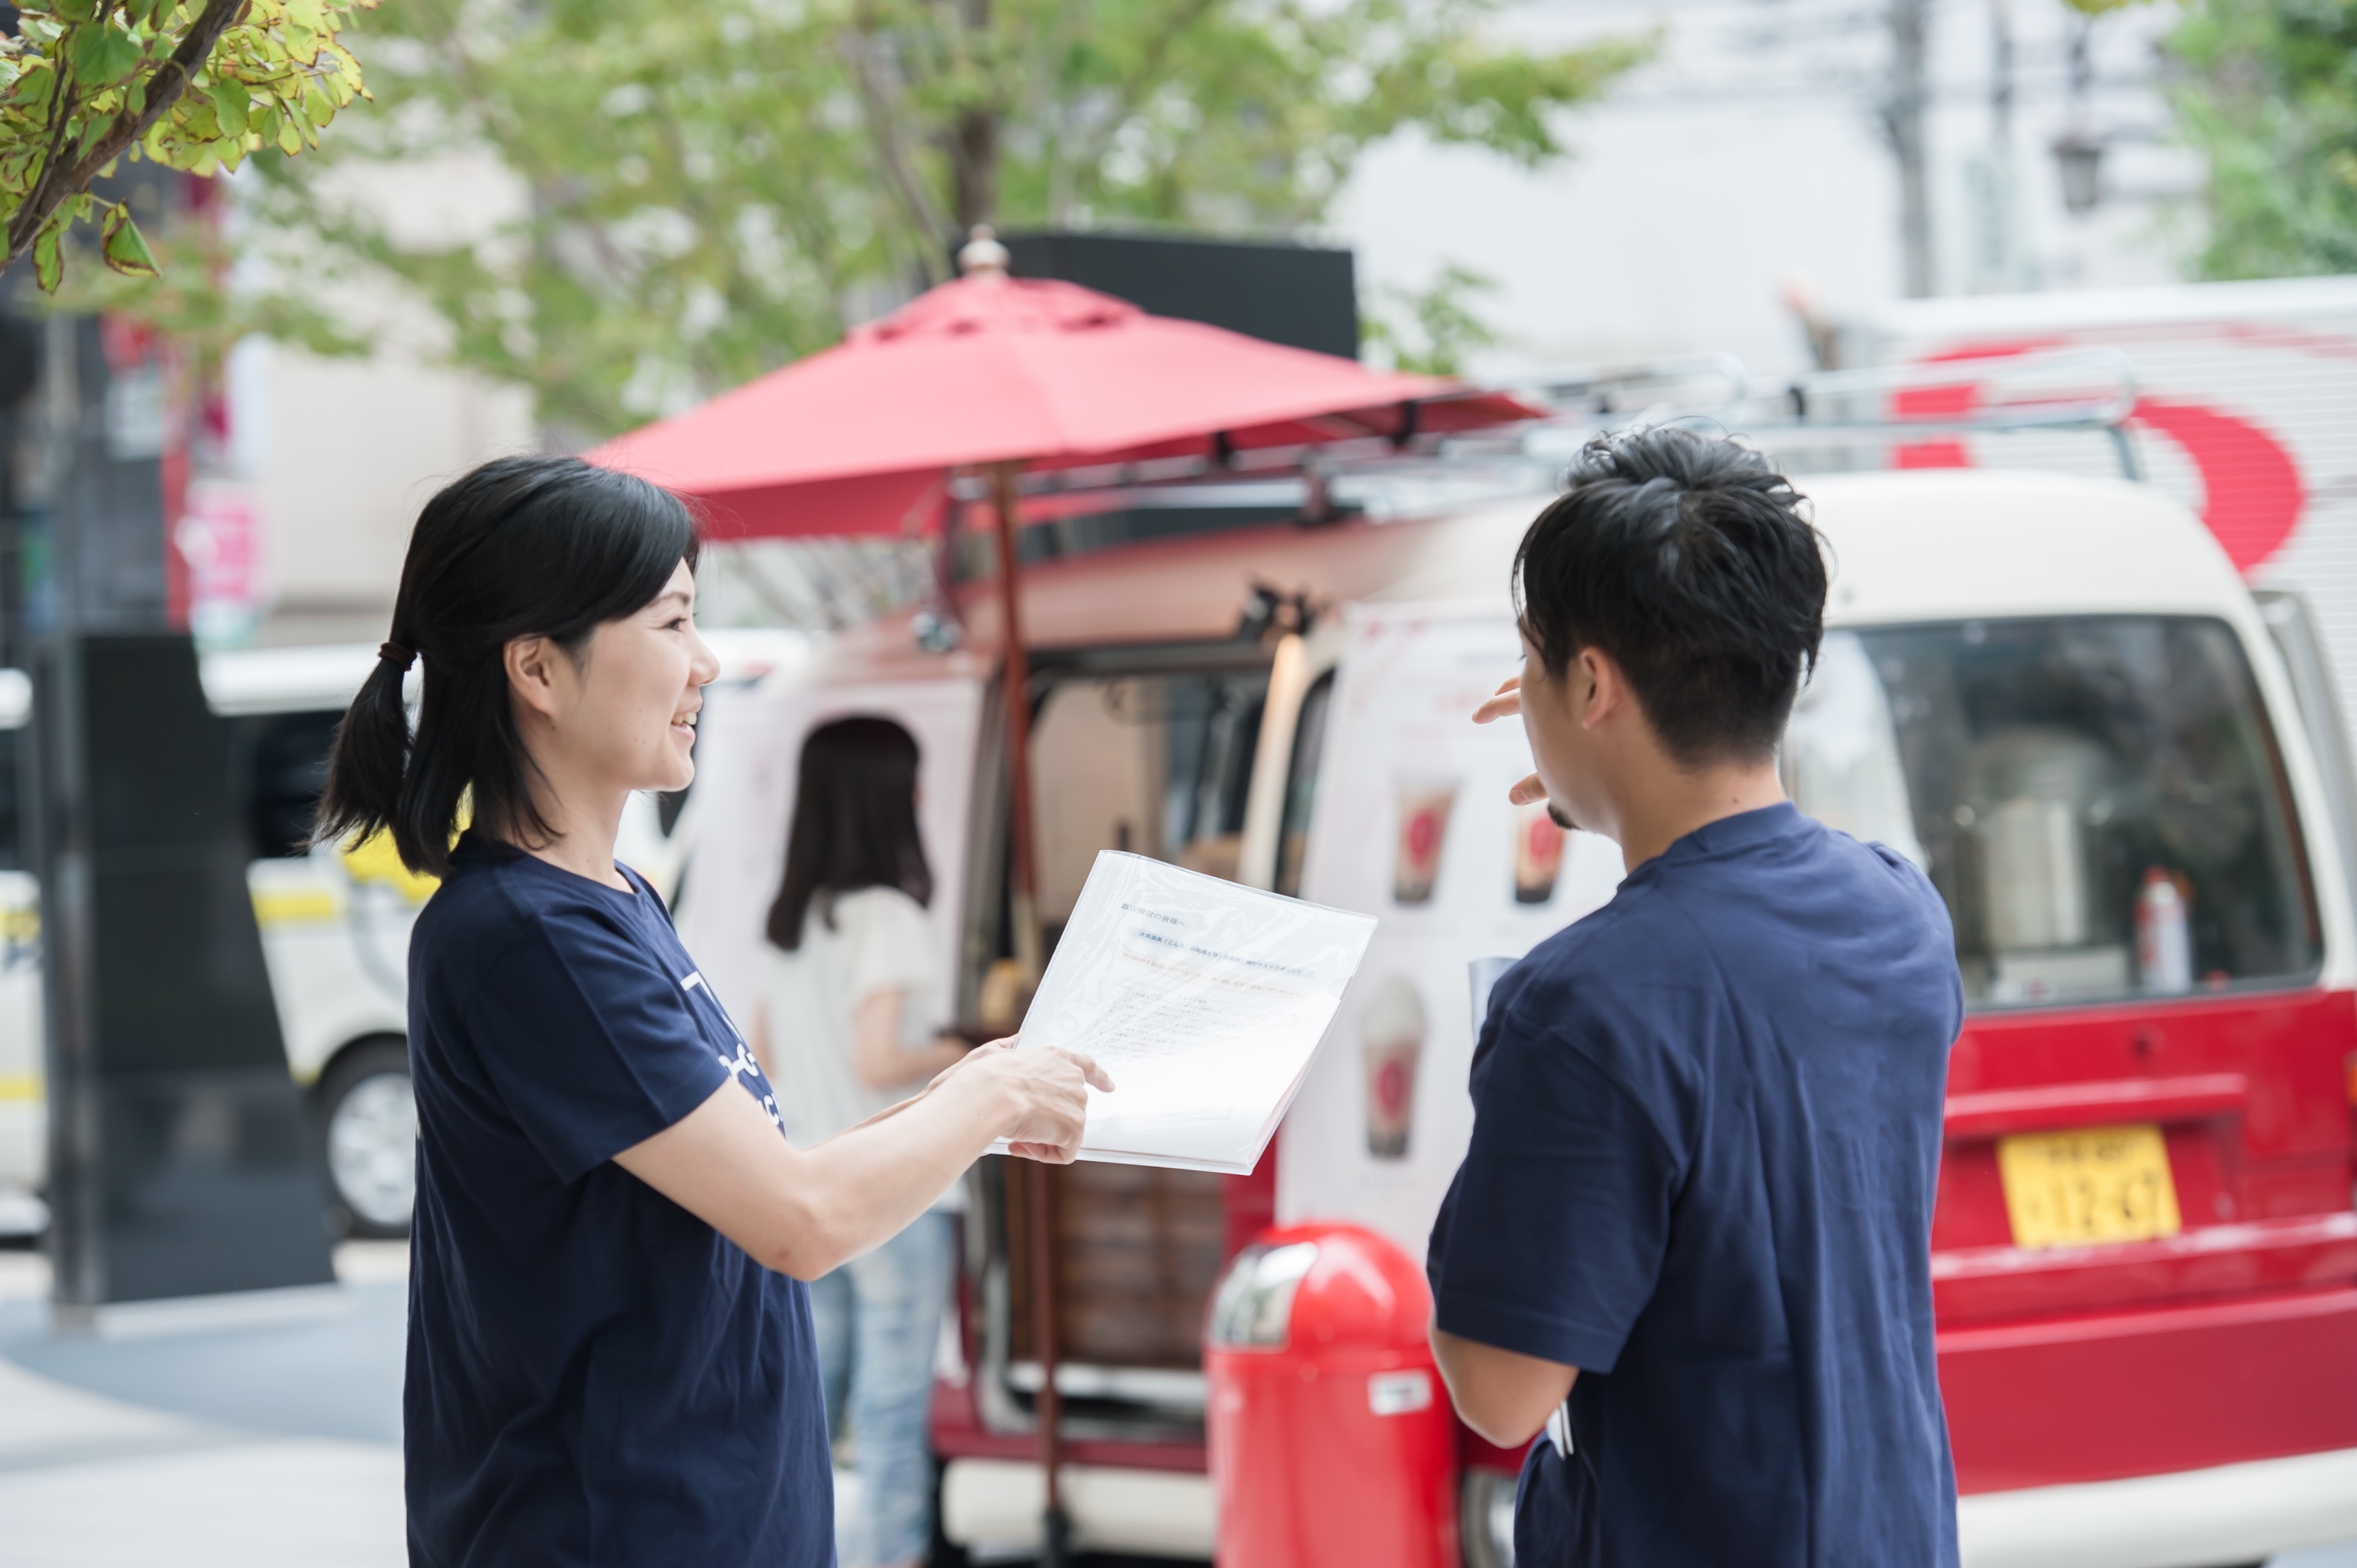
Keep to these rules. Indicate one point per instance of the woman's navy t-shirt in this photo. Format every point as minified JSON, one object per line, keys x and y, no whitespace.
{"x":595,"y":1376}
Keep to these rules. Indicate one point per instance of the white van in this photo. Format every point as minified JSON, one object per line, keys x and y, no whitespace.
{"x":334,"y":921}
{"x":2051,"y":691}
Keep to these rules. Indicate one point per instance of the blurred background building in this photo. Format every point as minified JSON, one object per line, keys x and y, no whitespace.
{"x":1754,"y":159}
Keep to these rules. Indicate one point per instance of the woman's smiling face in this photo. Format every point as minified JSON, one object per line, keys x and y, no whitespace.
{"x":641,"y":685}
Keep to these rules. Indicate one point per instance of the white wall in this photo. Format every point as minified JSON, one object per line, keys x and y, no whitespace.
{"x":341,"y":453}
{"x":1748,"y":151}
{"x":353,"y":448}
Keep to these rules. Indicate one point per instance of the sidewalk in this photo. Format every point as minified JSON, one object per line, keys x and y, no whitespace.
{"x":261,"y":1446}
{"x":221,"y":1449}
{"x":269,"y":1445}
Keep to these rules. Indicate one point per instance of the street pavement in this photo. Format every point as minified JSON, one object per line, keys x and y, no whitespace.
{"x":256,"y":1445}
{"x":266,"y":1446}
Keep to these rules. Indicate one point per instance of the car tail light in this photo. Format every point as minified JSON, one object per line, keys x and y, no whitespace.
{"x":2349,"y":1092}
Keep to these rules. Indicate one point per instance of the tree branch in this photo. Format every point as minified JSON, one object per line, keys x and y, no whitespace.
{"x":163,"y":88}
{"x":892,"y":151}
{"x":61,"y":116}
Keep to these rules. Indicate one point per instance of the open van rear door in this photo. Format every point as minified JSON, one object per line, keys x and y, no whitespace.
{"x":1410,"y":823}
{"x":748,"y":750}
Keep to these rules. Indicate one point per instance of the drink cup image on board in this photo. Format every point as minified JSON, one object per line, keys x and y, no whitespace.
{"x":1538,"y":853}
{"x":1425,"y":803}
{"x":1391,"y":1037}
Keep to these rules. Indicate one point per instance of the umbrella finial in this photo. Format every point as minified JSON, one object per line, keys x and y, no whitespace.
{"x":982,"y":255}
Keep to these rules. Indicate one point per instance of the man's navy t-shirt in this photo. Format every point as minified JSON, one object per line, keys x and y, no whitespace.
{"x":1707,"y":1132}
{"x":595,"y":1376}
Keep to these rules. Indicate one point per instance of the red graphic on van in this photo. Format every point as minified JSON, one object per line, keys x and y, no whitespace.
{"x":2252,"y":493}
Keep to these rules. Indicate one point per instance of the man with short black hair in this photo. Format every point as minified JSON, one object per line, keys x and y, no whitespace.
{"x":1691,"y":1238}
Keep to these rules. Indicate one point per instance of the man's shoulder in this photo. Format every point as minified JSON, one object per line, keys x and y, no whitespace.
{"x":1877,"y":868}
{"x":1629,"y":989}
{"x":1613,"y":1008}
{"x":1640,"y":940}
{"x":1880,"y":908}
{"x":1812,"y":885}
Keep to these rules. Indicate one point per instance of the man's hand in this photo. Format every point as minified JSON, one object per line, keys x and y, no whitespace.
{"x":1503,"y":1395}
{"x":1506,"y":700}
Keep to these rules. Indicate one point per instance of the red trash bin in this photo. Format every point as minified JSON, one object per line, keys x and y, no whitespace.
{"x":1331,"y":1441}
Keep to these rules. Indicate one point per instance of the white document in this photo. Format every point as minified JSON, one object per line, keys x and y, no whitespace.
{"x":1204,"y":1002}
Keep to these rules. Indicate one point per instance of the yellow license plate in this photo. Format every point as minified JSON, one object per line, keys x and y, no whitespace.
{"x":2087,"y":1188}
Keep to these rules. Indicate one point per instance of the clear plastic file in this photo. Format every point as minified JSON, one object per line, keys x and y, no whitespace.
{"x":1204,"y":1001}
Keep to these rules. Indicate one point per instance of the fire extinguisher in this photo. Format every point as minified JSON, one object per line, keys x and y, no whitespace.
{"x":2164,"y":939}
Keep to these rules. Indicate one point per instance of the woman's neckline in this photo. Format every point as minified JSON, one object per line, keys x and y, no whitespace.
{"x":628,"y":888}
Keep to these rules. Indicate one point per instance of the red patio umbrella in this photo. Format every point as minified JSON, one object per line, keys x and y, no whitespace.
{"x":1000,"y":375}
{"x":860,"y":438}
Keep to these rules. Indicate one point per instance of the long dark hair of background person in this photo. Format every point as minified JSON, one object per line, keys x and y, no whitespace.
{"x":854,"y":822}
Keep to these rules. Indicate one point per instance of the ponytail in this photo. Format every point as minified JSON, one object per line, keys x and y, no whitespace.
{"x":369,"y":754}
{"x":520,"y":547}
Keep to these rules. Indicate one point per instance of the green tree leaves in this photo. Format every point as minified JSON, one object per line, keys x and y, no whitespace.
{"x":2271,"y":103}
{"x":84,"y":82}
{"x":1432,"y":330}
{"x":123,"y":245}
{"x":709,"y":190}
{"x":103,"y":56}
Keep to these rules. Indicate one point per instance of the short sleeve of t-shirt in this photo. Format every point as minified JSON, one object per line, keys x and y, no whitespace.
{"x":885,"y":943}
{"x":1552,"y":1236}
{"x":590,"y":1044}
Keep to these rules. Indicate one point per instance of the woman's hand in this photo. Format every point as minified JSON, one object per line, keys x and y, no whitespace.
{"x":1047,"y":1088}
{"x":806,"y":1211}
{"x":1508,"y":699}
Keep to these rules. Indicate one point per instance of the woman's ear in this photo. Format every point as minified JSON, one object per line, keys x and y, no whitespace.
{"x":532,"y":673}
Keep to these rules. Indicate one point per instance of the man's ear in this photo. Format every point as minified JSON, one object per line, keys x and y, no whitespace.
{"x":1601,"y":690}
{"x":530,"y":661}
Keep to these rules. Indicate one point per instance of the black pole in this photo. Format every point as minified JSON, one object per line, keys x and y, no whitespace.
{"x":178,"y":1160}
{"x":55,"y":790}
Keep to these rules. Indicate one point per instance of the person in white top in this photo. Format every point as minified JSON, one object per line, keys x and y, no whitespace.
{"x":850,"y":1023}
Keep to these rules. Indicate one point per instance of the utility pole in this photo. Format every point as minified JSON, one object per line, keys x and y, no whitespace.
{"x":2078,"y":151}
{"x":2001,"y":78}
{"x":1903,"y":114}
{"x":1996,"y":248}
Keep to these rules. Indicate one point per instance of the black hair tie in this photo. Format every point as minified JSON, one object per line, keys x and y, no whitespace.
{"x":395,"y":654}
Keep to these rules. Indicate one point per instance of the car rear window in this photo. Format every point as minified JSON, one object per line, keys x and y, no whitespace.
{"x":2100,"y":799}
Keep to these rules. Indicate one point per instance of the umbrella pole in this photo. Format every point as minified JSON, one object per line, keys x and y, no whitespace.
{"x":1055,"y":1528}
{"x":1023,"y":878}
{"x":1022,"y":868}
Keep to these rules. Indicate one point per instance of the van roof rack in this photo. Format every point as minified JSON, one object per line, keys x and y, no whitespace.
{"x":2060,"y":390}
{"x":1857,"y":415}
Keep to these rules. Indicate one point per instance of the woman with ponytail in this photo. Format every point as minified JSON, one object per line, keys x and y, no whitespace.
{"x":610,"y":1350}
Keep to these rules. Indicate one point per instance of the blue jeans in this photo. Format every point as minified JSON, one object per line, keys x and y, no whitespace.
{"x":878,"y":1317}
